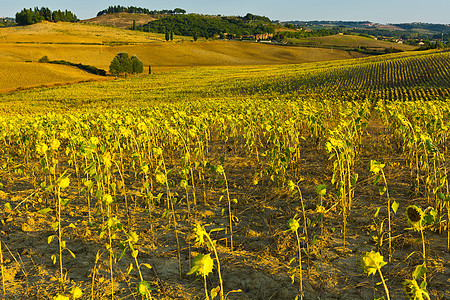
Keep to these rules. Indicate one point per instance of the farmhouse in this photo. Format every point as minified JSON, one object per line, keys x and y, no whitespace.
{"x":264,"y":36}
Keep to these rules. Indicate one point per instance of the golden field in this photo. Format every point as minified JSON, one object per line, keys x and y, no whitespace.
{"x":353,"y":41}
{"x":30,"y":75}
{"x":181,"y":54}
{"x":73,"y":33}
{"x":97,"y":45}
{"x":350,"y":42}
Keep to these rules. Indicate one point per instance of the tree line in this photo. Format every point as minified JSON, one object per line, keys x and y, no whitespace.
{"x":210,"y":26}
{"x":37,"y":15}
{"x":87,"y":68}
{"x":139,"y":10}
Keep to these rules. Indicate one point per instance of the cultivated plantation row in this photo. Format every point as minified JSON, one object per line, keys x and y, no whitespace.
{"x":261,"y":182}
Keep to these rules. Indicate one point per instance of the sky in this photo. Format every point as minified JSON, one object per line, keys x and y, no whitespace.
{"x":380,"y":11}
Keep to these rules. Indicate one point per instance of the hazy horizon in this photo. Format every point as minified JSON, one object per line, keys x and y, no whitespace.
{"x":384,"y":11}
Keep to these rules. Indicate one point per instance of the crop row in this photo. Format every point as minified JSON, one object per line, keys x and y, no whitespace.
{"x":148,"y":142}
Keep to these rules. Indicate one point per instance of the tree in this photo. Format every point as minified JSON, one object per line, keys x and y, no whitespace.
{"x":121,"y":63}
{"x":137,"y":65}
{"x":25,"y":17}
{"x":134,"y":24}
{"x":37,"y":18}
{"x":179,"y":11}
{"x":46,"y":13}
{"x":439,"y":45}
{"x":167,"y":36}
{"x":171,"y":35}
{"x":44,"y":59}
{"x":57,"y":16}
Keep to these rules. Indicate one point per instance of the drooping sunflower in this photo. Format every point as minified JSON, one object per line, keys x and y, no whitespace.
{"x":415,"y":216}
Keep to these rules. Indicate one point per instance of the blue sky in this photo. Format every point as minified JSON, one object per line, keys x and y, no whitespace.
{"x":381,"y":11}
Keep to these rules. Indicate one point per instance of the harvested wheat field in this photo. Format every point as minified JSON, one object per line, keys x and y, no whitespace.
{"x":20,"y":75}
{"x":353,"y":41}
{"x":181,"y":54}
{"x":121,"y":20}
{"x":74,"y":33}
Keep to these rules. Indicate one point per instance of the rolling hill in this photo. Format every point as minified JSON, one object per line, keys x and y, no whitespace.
{"x":23,"y":75}
{"x":97,"y":45}
{"x":355,"y":41}
{"x":74,"y":33}
{"x":122,"y":20}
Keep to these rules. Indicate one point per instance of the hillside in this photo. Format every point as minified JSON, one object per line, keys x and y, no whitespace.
{"x":22,"y":75}
{"x":162,"y":57}
{"x":74,"y":33}
{"x":211,"y":26}
{"x":121,"y":20}
{"x":354,"y":41}
{"x":428,"y":29}
{"x":97,"y":45}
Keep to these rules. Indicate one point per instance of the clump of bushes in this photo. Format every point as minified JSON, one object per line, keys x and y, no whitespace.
{"x":44,"y":59}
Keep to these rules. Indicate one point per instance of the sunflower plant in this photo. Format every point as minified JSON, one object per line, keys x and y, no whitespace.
{"x":372,"y":262}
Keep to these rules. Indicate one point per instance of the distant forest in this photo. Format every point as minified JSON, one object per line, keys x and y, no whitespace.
{"x":425,"y":26}
{"x":139,"y":10}
{"x":37,"y":15}
{"x":210,"y":26}
{"x":405,"y":31}
{"x":367,"y":24}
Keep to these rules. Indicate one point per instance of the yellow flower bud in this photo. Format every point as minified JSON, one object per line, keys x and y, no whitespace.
{"x":55,"y":144}
{"x":63,"y":183}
